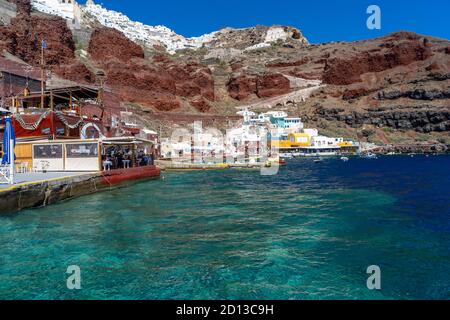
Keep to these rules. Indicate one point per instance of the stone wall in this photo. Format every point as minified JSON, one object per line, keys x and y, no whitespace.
{"x":7,"y":12}
{"x":48,"y":192}
{"x":425,"y":119}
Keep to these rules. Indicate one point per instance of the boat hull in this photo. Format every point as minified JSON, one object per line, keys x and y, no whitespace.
{"x":121,"y":176}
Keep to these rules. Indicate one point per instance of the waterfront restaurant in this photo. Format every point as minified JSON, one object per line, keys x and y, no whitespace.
{"x":84,"y":155}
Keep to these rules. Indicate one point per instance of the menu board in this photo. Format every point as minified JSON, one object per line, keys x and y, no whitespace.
{"x":48,"y":151}
{"x":82,"y":150}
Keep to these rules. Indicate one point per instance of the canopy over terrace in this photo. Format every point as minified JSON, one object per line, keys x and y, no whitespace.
{"x":85,"y":154}
{"x":72,"y":98}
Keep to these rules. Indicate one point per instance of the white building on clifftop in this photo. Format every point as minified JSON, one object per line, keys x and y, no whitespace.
{"x":62,"y":8}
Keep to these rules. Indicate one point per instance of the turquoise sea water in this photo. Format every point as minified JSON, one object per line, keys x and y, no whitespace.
{"x":309,"y":232}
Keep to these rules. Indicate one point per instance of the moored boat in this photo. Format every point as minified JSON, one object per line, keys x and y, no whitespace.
{"x":120,"y":176}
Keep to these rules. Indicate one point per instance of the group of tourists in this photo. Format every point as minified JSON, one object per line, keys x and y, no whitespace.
{"x":118,"y":157}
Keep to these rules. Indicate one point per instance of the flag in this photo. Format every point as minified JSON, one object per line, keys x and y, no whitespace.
{"x":43,"y":44}
{"x":8,"y":135}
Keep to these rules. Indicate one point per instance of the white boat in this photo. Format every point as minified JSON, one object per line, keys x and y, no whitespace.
{"x":286,"y":155}
{"x":345,"y":159}
{"x":369,"y":155}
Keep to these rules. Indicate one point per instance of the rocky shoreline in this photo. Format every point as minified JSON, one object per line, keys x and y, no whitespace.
{"x":425,"y":120}
{"x":413,"y":148}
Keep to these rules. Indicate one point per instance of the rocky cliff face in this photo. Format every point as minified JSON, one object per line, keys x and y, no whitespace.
{"x":348,"y":70}
{"x":23,"y":39}
{"x":261,"y":86}
{"x":398,"y":83}
{"x":389,"y":87}
{"x":159,"y":82}
{"x":107,"y":44}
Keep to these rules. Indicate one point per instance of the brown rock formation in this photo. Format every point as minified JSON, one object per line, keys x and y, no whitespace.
{"x":263,"y":86}
{"x":107,"y":44}
{"x":23,"y":37}
{"x":76,"y":71}
{"x":159,"y":82}
{"x":288,"y":64}
{"x":201,"y":105}
{"x":344,"y":71}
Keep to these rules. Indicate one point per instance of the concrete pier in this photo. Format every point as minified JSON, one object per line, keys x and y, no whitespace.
{"x":39,"y":189}
{"x":185,"y":166}
{"x":174,"y":166}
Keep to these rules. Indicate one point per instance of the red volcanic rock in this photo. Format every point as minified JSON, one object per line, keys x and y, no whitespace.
{"x":188,"y":89}
{"x":203,"y":79}
{"x":242,"y":87}
{"x":107,"y":43}
{"x":288,"y":64}
{"x":355,"y":93}
{"x":305,"y":75}
{"x":155,"y":83}
{"x":347,"y":71}
{"x":236,"y":66}
{"x":201,"y":105}
{"x":7,"y":39}
{"x":160,"y":83}
{"x":77,"y":72}
{"x":273,"y":85}
{"x":159,"y":58}
{"x":403,"y":35}
{"x":265,"y":86}
{"x":23,"y":37}
{"x":142,"y":85}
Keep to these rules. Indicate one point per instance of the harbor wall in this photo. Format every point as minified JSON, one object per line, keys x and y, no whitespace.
{"x":50,"y":191}
{"x":38,"y":194}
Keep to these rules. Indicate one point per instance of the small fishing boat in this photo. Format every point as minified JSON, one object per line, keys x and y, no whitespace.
{"x":369,"y":155}
{"x":286,"y":155}
{"x":345,"y":159}
{"x":120,"y":176}
{"x":318,"y":160}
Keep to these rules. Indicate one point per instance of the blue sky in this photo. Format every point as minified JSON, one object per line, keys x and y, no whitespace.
{"x":319,"y":20}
